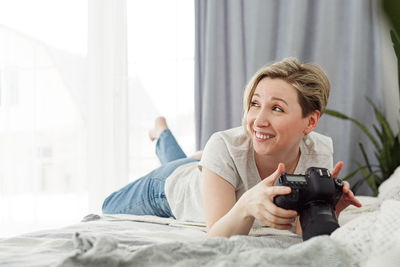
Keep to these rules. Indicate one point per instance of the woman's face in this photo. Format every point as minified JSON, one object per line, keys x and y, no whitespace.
{"x":275,"y":118}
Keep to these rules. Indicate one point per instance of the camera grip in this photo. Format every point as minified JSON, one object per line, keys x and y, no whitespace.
{"x":288,"y":202}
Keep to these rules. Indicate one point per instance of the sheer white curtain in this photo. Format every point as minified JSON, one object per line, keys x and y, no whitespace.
{"x":43,"y":129}
{"x":107,"y":105}
{"x":75,"y":107}
{"x":161,"y":76}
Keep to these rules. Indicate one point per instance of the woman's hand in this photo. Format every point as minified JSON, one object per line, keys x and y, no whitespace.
{"x":348,"y":197}
{"x":259,"y":202}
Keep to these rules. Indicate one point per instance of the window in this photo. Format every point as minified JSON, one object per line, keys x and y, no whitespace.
{"x":42,"y":130}
{"x":1,"y":88}
{"x":61,"y":121}
{"x":161,"y":76}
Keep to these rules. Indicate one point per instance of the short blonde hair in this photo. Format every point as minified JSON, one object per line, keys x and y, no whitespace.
{"x":310,"y":80}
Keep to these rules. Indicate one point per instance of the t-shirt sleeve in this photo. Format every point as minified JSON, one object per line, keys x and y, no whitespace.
{"x":317,"y":151}
{"x":324,"y":151}
{"x":217,"y":158}
{"x":330,"y":154}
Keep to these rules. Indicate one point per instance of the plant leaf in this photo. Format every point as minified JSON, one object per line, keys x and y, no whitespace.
{"x":396,"y":45}
{"x":383,"y":122}
{"x":370,"y":179}
{"x":395,"y":156}
{"x":352,"y":173}
{"x":337,"y":114}
{"x":368,"y":165}
{"x":378,"y":133}
{"x":383,"y":164}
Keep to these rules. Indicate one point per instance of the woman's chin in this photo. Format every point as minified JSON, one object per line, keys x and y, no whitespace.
{"x":264,"y":147}
{"x":263,"y":151}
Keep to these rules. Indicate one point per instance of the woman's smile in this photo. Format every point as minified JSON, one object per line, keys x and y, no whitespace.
{"x":262,"y":137}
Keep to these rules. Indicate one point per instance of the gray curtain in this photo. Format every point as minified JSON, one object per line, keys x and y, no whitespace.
{"x":234,"y":38}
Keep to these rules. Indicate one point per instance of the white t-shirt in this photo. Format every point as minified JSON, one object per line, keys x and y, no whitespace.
{"x":230,"y":154}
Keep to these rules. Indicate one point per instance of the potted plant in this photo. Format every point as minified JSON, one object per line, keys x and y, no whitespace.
{"x":387,"y":144}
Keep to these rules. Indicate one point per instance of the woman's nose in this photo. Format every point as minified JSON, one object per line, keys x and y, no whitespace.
{"x":262,"y":119}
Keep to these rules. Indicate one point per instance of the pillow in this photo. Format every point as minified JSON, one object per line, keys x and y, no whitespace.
{"x":369,"y":204}
{"x":390,"y":189}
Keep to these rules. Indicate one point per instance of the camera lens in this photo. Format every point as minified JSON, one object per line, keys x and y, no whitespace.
{"x":318,"y":218}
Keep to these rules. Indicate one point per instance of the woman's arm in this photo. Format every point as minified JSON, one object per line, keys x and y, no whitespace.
{"x":197,"y":155}
{"x":226,"y":217}
{"x":223,"y":217}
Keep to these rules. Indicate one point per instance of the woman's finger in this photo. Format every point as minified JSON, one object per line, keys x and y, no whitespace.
{"x":350,"y":194}
{"x":279,"y":220}
{"x":350,"y":199}
{"x":280,"y":212}
{"x":270,"y":180}
{"x":336,"y":170}
{"x":346,"y":187}
{"x":273,"y":191}
{"x":356,"y":202}
{"x":275,"y":225}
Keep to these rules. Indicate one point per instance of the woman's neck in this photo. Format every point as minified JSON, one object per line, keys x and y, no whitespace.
{"x":266,"y":165}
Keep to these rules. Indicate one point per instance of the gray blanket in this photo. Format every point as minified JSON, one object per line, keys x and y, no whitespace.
{"x":372,"y":239}
{"x":235,"y":251}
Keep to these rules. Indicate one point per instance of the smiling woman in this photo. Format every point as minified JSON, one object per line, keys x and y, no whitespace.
{"x":232,"y":185}
{"x":282,"y":105}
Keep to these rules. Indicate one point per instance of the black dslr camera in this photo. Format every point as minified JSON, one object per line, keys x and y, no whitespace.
{"x":314,"y":196}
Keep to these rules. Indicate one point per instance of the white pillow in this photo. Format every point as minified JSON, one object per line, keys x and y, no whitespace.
{"x":390,"y":189}
{"x":369,"y":204}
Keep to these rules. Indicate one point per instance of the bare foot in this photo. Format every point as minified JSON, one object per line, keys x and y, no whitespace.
{"x":160,"y":124}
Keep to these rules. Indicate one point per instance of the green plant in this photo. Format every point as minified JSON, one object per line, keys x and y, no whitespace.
{"x":387,"y":151}
{"x":387,"y":148}
{"x":392,"y":11}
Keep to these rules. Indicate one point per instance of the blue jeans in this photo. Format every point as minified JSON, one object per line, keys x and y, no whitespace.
{"x":146,"y":196}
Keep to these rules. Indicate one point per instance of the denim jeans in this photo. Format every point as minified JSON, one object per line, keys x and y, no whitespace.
{"x":146,"y":196}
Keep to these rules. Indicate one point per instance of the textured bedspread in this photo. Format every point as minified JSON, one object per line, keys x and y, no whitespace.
{"x":370,"y":238}
{"x":50,"y":247}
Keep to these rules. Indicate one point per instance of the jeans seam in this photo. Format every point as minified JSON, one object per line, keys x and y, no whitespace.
{"x":152,"y":197}
{"x":131,"y":206}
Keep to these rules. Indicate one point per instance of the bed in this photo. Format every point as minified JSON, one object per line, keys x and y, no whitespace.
{"x":369,"y":236}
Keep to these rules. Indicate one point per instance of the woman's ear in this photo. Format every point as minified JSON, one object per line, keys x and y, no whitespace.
{"x":312,"y":121}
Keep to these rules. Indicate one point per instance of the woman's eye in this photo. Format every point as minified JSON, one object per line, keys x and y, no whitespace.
{"x":254,"y":104}
{"x":275,"y":108}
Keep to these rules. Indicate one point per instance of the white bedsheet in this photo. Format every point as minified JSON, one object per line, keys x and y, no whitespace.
{"x":369,"y":236}
{"x":371,"y":239}
{"x":111,"y":240}
{"x":49,"y":247}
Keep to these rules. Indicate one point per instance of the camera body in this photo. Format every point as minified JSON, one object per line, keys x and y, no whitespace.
{"x":314,"y":196}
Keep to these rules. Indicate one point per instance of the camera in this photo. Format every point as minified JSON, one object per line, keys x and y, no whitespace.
{"x":314,"y":196}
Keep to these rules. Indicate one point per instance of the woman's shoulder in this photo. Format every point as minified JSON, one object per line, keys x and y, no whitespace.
{"x":316,"y":143}
{"x":316,"y":150}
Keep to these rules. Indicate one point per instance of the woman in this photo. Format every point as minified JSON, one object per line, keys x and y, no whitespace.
{"x":282,"y":106}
